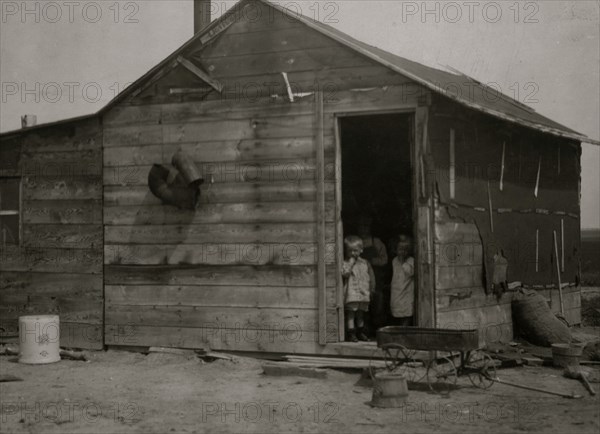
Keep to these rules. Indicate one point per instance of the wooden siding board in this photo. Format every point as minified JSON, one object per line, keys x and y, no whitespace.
{"x":86,"y":310}
{"x":266,"y":275}
{"x":223,"y":296}
{"x":224,"y":154}
{"x":63,"y":236}
{"x":62,"y":164}
{"x":214,"y":233}
{"x":62,"y":211}
{"x":68,"y":188}
{"x":223,"y":193}
{"x":291,"y":253}
{"x":274,"y":341}
{"x":259,"y":127}
{"x":282,"y":212}
{"x":51,"y":260}
{"x":493,"y":322}
{"x":468,"y":298}
{"x":254,"y":318}
{"x":49,"y":284}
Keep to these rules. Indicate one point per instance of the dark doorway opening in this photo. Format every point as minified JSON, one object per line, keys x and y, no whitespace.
{"x":377,"y":188}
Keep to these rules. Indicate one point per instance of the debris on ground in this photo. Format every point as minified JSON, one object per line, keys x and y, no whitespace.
{"x":284,"y":369}
{"x":73,"y":355}
{"x":579,"y":373}
{"x":9,"y":378}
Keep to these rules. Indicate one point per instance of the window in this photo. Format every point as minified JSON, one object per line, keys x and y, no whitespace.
{"x":10,"y":211}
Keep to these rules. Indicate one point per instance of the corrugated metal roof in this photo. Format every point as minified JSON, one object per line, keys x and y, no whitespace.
{"x":458,"y":87}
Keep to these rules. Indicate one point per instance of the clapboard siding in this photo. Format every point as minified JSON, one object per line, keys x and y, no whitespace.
{"x":267,"y":40}
{"x":51,"y":260}
{"x":49,"y":284}
{"x":215,"y":275}
{"x":234,"y":152}
{"x":251,"y":129}
{"x":341,"y":87}
{"x":214,"y":233}
{"x":63,"y":212}
{"x":69,"y":308}
{"x":282,"y":212}
{"x":63,"y":236}
{"x":67,"y":188}
{"x":460,"y":296}
{"x":255,"y":318}
{"x":280,"y":191}
{"x":238,"y":339}
{"x":290,"y":253}
{"x":58,"y":267}
{"x":494,"y":322}
{"x":223,"y":296}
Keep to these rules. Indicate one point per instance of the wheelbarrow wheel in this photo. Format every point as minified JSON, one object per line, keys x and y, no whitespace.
{"x":481,"y":370}
{"x":400,"y":360}
{"x":394,"y":355}
{"x":441,"y":375}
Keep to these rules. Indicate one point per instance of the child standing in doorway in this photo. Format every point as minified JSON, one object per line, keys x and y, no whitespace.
{"x":402,"y":297}
{"x":359,"y":284}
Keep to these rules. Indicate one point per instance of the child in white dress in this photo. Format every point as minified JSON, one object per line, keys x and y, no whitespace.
{"x":402,"y":297}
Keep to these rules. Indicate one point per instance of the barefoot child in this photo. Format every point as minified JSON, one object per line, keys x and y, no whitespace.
{"x":359,"y":284}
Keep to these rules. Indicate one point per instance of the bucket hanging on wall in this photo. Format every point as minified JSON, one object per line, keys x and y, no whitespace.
{"x":39,"y":337}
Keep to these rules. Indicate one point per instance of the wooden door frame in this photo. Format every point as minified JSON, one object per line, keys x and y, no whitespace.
{"x":337,"y":116}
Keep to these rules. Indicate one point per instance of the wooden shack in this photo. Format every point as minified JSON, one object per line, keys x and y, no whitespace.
{"x":283,"y":115}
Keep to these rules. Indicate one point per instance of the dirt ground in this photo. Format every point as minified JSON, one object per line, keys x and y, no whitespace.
{"x":123,"y":392}
{"x":126,"y":392}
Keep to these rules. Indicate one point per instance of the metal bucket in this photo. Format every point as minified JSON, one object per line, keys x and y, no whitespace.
{"x":389,"y":390}
{"x":39,"y":339}
{"x":564,"y":355}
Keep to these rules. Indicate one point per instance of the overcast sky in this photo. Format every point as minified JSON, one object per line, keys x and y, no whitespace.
{"x":68,"y":58}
